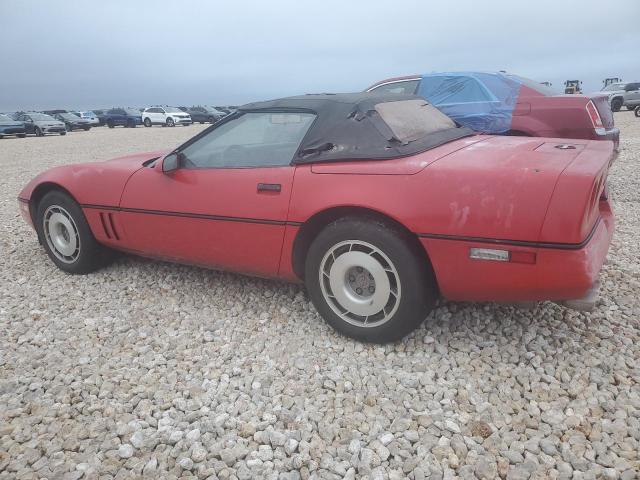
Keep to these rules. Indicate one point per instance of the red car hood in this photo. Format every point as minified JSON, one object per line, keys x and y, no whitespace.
{"x":99,"y":183}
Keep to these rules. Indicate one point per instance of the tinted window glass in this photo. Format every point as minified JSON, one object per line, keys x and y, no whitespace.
{"x":252,"y":140}
{"x":443,"y":90}
{"x":408,"y":87}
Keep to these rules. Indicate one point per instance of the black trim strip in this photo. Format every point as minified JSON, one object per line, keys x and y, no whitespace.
{"x":203,"y":216}
{"x":518,"y":243}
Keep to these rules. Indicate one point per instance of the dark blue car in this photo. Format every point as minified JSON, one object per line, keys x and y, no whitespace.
{"x":9,"y":126}
{"x":126,"y":117}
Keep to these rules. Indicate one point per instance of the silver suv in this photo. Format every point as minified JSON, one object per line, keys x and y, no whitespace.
{"x":627,"y":94}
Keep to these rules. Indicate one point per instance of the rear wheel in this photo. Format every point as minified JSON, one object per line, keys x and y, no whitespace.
{"x":637,"y":111}
{"x":66,"y":236}
{"x":147,"y":122}
{"x":68,"y":127}
{"x":368,"y":280}
{"x":616,"y":104}
{"x":170,"y":122}
{"x":110,"y":123}
{"x":39,"y":132}
{"x":20,"y":135}
{"x":63,"y":133}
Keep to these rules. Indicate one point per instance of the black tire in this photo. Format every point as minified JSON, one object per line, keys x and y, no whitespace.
{"x":201,"y":123}
{"x":38,"y":131}
{"x":63,"y":133}
{"x":2,"y":136}
{"x":21,"y":135}
{"x":147,"y":122}
{"x":110,"y":124}
{"x":90,"y":254}
{"x":616,"y":104}
{"x":170,"y":122}
{"x":637,"y":111}
{"x":68,"y":127}
{"x":86,"y":129}
{"x":417,"y":286}
{"x":131,"y":123}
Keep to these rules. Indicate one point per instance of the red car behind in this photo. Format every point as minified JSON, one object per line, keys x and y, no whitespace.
{"x":539,"y":111}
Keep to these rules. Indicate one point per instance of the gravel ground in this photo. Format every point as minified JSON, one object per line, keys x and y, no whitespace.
{"x":147,"y":369}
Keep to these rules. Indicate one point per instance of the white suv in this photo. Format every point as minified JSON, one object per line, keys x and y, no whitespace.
{"x":165,"y":116}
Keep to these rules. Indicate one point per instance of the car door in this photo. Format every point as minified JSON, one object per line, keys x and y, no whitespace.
{"x":28,"y":123}
{"x":226,"y":204}
{"x":632,"y":94}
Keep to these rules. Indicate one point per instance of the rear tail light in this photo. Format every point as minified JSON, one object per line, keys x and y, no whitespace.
{"x":594,"y":115}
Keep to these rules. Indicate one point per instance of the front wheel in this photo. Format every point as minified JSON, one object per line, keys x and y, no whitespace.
{"x":616,"y":104}
{"x":110,"y":124}
{"x":637,"y":111}
{"x":369,"y":280}
{"x":66,"y":236}
{"x":39,"y":132}
{"x":170,"y":122}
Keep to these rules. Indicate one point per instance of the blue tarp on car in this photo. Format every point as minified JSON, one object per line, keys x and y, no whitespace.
{"x":483,"y":102}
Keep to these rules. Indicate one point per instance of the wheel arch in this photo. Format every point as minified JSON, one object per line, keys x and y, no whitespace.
{"x":314,"y":225}
{"x":40,"y":191}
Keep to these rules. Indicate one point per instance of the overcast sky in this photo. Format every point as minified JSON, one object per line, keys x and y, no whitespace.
{"x":83,"y":54}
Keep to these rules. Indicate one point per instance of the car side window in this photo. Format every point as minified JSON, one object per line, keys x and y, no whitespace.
{"x":404,"y":87}
{"x":255,"y":139}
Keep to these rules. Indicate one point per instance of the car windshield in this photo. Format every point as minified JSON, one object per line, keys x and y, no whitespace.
{"x":613,"y":87}
{"x":172,"y":110}
{"x":132,"y":111}
{"x":41,"y":116}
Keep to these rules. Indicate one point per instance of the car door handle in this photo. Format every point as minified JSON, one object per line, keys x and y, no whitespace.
{"x":269,"y":187}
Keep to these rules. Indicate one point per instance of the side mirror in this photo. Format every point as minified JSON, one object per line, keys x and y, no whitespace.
{"x":171,"y":163}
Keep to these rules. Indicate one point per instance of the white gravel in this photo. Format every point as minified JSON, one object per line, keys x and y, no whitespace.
{"x":165,"y":371}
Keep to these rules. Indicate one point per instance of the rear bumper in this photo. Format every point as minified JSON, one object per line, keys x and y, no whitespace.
{"x":612,"y":134}
{"x":565,"y":272}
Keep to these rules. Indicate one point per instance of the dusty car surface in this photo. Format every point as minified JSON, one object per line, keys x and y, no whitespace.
{"x":502,"y":103}
{"x":379,"y":203}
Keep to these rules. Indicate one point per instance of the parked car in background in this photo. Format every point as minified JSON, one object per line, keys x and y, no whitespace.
{"x":126,"y":117}
{"x":226,"y":110}
{"x":73,"y":122}
{"x":506,"y":104}
{"x":203,"y":114}
{"x":379,"y":203}
{"x":90,"y":116}
{"x":9,"y":126}
{"x":40,"y":124}
{"x":100,"y":115}
{"x":165,"y":116}
{"x":623,"y":94}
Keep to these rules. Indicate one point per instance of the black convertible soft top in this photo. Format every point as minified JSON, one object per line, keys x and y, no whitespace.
{"x":365,"y":126}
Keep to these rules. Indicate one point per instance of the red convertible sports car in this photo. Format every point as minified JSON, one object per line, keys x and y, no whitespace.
{"x":379,"y":203}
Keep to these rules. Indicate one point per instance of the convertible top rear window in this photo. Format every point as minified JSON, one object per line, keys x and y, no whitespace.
{"x":410,"y":120}
{"x":364,"y":126}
